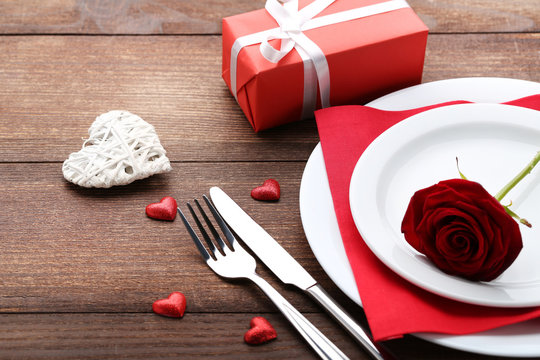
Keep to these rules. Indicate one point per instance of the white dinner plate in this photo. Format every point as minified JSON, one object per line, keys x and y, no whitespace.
{"x":493,"y":142}
{"x":322,"y":231}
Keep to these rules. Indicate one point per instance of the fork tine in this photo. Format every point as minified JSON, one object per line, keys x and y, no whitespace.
{"x":226,"y":231}
{"x":194,"y":236}
{"x":209,"y":242}
{"x":211,"y":227}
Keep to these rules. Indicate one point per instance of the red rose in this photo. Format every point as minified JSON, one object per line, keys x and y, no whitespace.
{"x":462,"y":229}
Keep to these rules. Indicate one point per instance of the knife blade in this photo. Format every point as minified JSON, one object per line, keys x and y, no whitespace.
{"x":282,"y":264}
{"x":286,"y":268}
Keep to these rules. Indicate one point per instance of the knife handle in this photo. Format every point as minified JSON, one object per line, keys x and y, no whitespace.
{"x":320,"y":343}
{"x":376,"y":351}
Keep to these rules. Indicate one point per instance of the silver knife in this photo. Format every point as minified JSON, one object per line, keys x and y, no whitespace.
{"x":286,"y":268}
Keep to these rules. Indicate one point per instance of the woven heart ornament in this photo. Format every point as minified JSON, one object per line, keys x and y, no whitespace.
{"x":121,"y":148}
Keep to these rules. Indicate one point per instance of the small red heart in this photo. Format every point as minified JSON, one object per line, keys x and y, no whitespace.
{"x":173,"y":306}
{"x":261,"y":331}
{"x":163,"y":210}
{"x":268,"y":191}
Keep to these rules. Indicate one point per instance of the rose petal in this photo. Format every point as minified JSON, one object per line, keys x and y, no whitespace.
{"x":459,"y":226}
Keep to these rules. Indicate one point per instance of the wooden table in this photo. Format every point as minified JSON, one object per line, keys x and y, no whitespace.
{"x":80,"y":268}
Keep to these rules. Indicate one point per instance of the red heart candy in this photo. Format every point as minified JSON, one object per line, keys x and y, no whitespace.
{"x":261,"y":331}
{"x":173,"y":306}
{"x":268,"y":191}
{"x":163,"y":210}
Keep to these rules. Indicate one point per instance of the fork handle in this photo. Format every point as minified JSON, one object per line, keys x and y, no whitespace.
{"x":376,"y":350}
{"x":320,"y":343}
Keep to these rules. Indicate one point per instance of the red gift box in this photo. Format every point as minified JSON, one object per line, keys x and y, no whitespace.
{"x":367,"y":57}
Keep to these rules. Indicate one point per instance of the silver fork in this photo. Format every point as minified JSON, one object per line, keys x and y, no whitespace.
{"x":235,"y":262}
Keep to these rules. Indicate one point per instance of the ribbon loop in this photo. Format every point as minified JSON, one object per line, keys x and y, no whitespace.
{"x":290,"y":21}
{"x":281,"y":12}
{"x":273,"y":55}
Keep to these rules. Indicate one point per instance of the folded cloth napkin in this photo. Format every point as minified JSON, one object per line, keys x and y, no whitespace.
{"x":393,"y":305}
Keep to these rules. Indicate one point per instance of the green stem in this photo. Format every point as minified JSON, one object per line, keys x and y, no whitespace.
{"x":516,"y":216}
{"x":502,"y":193}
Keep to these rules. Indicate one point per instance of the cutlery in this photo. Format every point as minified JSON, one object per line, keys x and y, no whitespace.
{"x":287,"y":269}
{"x":235,"y":262}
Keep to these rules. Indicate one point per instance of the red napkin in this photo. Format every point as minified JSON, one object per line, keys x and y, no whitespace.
{"x":393,"y":305}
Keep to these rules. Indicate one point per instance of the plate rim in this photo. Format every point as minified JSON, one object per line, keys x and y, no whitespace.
{"x":442,"y":281}
{"x":502,"y":89}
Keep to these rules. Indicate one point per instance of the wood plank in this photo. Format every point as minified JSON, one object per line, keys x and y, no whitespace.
{"x":195,"y":336}
{"x":500,"y":55}
{"x":148,"y":336}
{"x":180,"y":17}
{"x":53,"y":87}
{"x":469,"y":16}
{"x":67,"y":248}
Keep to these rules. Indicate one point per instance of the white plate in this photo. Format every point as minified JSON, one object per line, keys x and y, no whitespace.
{"x":493,"y":142}
{"x":320,"y":223}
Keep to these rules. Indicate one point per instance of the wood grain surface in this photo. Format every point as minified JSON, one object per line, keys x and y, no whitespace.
{"x":196,"y":336}
{"x":80,"y":268}
{"x":51,"y":94}
{"x":74,"y":242}
{"x":204,"y":17}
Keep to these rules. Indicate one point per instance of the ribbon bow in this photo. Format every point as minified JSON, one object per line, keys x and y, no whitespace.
{"x":292,"y":24}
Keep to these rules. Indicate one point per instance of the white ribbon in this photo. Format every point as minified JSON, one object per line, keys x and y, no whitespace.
{"x":292,"y":24}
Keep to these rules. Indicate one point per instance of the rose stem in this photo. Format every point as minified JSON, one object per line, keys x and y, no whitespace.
{"x":526,"y":171}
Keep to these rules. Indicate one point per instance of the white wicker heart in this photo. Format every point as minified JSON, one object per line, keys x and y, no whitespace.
{"x":121,"y":148}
